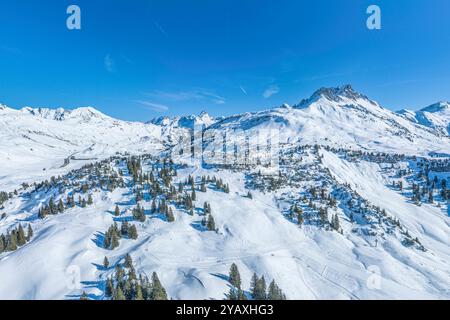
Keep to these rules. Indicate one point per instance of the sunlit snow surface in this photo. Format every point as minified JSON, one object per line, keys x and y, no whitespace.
{"x":307,"y":262}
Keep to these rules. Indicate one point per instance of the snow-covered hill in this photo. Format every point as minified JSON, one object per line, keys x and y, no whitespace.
{"x":38,"y":143}
{"x":435,"y":116}
{"x":358,"y":208}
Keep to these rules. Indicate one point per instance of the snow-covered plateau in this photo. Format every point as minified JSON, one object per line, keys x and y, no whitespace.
{"x":98,"y":208}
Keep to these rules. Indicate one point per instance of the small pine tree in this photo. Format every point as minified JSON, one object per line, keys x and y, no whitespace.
{"x":153,"y":206}
{"x":128,"y":261}
{"x":114,"y":241}
{"x":253,"y":284}
{"x":335,"y":223}
{"x":90,"y":201}
{"x":106,"y":263}
{"x":118,"y":294}
{"x":170,"y":216}
{"x":29,"y":232}
{"x":275,"y":292}
{"x":12,"y":243}
{"x":84,"y":296}
{"x":139,"y":295}
{"x":52,"y":207}
{"x":260,"y":289}
{"x":132,"y":232}
{"x":60,"y":206}
{"x":117,"y":211}
{"x":235,"y":277}
{"x":21,"y":239}
{"x":109,"y":288}
{"x":211,"y":224}
{"x":158,"y":291}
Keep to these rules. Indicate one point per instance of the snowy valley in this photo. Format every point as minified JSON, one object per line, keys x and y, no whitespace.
{"x":98,"y":208}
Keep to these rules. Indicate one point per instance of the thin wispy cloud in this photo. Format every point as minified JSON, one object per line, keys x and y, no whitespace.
{"x":110,"y":64}
{"x":243,"y":90}
{"x":11,"y":50}
{"x":152,"y":106}
{"x":181,"y":96}
{"x":160,"y":28}
{"x":126,"y":59}
{"x":270,"y":91}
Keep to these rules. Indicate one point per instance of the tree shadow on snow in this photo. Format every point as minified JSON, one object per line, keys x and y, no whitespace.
{"x":123,"y":219}
{"x":99,"y":239}
{"x":199,"y":227}
{"x":100,"y":285}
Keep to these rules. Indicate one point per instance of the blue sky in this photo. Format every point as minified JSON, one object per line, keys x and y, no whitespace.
{"x":140,"y":59}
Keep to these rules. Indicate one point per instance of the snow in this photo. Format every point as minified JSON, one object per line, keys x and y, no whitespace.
{"x":193,"y":263}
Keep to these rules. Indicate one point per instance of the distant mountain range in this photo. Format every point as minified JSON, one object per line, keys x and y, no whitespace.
{"x":338,"y":117}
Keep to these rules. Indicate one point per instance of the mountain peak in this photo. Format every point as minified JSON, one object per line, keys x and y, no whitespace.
{"x":437,"y":107}
{"x":336,"y":93}
{"x":60,"y":114}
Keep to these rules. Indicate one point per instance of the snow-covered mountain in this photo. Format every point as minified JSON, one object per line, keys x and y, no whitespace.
{"x":35,"y":142}
{"x":358,"y":208}
{"x":203,"y":119}
{"x":341,"y":117}
{"x":435,"y":116}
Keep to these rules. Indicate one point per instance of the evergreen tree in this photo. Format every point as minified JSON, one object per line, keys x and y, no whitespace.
{"x":253,"y":284}
{"x":21,"y":239}
{"x":118,"y":294}
{"x":109,"y":288}
{"x":117,"y":211}
{"x":275,"y":292}
{"x":84,"y":296}
{"x":90,"y":201}
{"x":114,"y":241}
{"x":72,"y":201}
{"x":260,"y":289}
{"x":153,"y":206}
{"x":211,"y":224}
{"x":132,"y":232}
{"x":139,"y":295}
{"x":170,"y":216}
{"x":300,"y":218}
{"x":60,"y":206}
{"x":158,"y":291}
{"x":52,"y":207}
{"x":128,"y":261}
{"x":335,"y":223}
{"x":2,"y":244}
{"x":235,"y":277}
{"x":11,"y":241}
{"x":105,"y":263}
{"x":233,"y":294}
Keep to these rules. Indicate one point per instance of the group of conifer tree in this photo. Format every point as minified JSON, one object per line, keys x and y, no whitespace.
{"x":125,"y":284}
{"x":114,"y":234}
{"x":258,"y":287}
{"x":53,"y":209}
{"x":14,"y":239}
